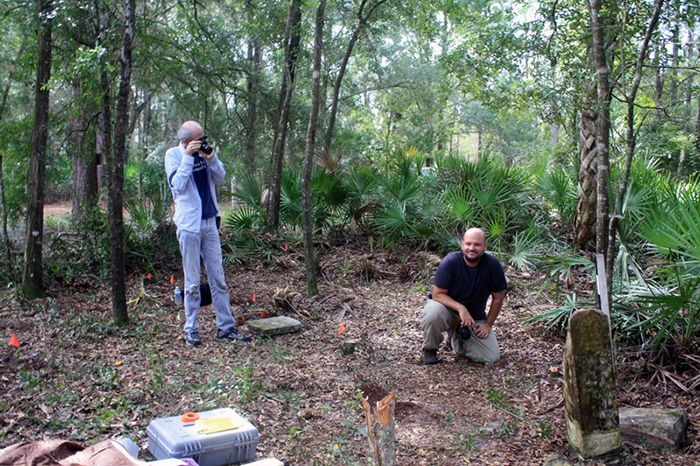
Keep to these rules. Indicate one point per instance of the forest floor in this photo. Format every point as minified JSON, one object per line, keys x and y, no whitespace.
{"x":76,"y":376}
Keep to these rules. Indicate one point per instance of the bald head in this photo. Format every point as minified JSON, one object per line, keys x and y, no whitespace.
{"x":476,"y":233}
{"x":473,"y":246}
{"x":189,"y":131}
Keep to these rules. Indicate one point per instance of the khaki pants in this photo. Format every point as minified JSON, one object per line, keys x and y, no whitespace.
{"x":436,"y":319}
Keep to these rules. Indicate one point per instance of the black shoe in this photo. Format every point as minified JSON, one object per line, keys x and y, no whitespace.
{"x":231,"y":335}
{"x":430,"y":357}
{"x":192,"y":339}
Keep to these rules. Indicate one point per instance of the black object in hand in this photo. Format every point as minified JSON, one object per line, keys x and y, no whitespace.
{"x":465,"y":333}
{"x":205,"y":147}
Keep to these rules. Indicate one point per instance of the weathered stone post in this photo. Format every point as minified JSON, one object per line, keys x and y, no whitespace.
{"x":590,"y":400}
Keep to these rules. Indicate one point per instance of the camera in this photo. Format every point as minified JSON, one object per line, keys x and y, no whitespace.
{"x":205,"y":147}
{"x":465,"y":333}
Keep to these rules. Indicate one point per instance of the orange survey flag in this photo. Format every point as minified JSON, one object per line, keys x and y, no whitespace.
{"x":341,"y":329}
{"x":14,"y":341}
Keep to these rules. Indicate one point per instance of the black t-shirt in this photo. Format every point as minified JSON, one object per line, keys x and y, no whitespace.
{"x":200,"y":172}
{"x":471,"y":286}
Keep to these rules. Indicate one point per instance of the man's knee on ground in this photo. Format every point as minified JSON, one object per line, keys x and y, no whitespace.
{"x":488,"y":359}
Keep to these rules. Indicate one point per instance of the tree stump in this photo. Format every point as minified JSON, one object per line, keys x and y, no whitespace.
{"x":381,"y":430}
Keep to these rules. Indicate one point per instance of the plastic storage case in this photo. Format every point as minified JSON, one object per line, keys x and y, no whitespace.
{"x":219,"y":437}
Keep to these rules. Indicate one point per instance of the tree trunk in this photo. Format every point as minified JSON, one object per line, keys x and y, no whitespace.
{"x":598,"y":25}
{"x":32,"y":276}
{"x":362,"y":19}
{"x":688,"y":87}
{"x":381,"y":430}
{"x":6,"y":244}
{"x":697,"y":129}
{"x":292,"y":40}
{"x":307,"y":218}
{"x":116,"y":185}
{"x":631,"y":137}
{"x":84,"y":195}
{"x":586,"y":209}
{"x":253,"y":89}
{"x":659,"y":83}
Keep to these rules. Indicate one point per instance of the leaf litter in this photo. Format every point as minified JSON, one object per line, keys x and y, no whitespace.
{"x":76,"y":376}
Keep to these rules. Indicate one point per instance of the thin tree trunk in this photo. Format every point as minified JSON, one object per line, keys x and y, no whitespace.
{"x":84,"y":195}
{"x":631,"y":137}
{"x":307,"y":219}
{"x":253,"y":87}
{"x":253,"y":90}
{"x":32,"y":276}
{"x":658,"y":83}
{"x":7,"y":246}
{"x":687,"y":104}
{"x":292,"y":40}
{"x":362,"y":19}
{"x":116,"y":188}
{"x":697,"y":129}
{"x":598,"y":25}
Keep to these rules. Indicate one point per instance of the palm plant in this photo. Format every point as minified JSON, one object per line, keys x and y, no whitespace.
{"x":672,"y":309}
{"x":558,"y":318}
{"x":246,"y":224}
{"x":249,"y":191}
{"x":527,"y":248}
{"x":399,"y":195}
{"x":559,"y":189}
{"x":361,"y":193}
{"x":332,"y":207}
{"x":488,"y":195}
{"x":291,"y":207}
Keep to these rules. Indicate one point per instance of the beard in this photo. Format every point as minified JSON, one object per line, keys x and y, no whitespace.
{"x":471,"y":258}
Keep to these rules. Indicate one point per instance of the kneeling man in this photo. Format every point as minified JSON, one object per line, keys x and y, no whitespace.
{"x":463,"y":284}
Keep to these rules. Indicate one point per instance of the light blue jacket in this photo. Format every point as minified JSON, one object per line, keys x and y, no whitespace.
{"x":188,"y":205}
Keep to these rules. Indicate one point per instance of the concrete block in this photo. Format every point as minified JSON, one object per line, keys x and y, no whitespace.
{"x":277,"y":325}
{"x":656,"y":427}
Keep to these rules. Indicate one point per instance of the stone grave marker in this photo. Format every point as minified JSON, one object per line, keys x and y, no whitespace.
{"x":590,"y":399}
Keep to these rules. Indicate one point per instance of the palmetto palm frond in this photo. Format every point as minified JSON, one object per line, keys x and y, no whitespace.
{"x":249,"y":191}
{"x":527,"y":250}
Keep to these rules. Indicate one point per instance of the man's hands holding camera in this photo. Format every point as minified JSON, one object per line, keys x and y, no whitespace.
{"x":465,"y":317}
{"x":200,"y":145}
{"x":480,"y":330}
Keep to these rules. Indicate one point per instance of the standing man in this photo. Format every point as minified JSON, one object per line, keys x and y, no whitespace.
{"x":464,"y":281}
{"x":193,"y":169}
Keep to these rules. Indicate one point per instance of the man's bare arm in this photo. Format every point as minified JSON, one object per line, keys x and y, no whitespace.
{"x":440,"y":295}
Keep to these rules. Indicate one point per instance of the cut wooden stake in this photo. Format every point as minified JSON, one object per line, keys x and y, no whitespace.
{"x":381,"y":430}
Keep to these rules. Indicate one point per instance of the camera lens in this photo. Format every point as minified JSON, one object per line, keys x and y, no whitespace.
{"x":205,"y":147}
{"x":464,"y":333}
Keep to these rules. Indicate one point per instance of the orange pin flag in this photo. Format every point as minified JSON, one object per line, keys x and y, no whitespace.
{"x":14,"y":341}
{"x":255,"y":297}
{"x":286,"y":246}
{"x":149,"y":275}
{"x":172,"y":280}
{"x":341,"y":330}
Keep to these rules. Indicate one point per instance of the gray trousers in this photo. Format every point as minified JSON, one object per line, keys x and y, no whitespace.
{"x":436,"y":319}
{"x":206,"y":245}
